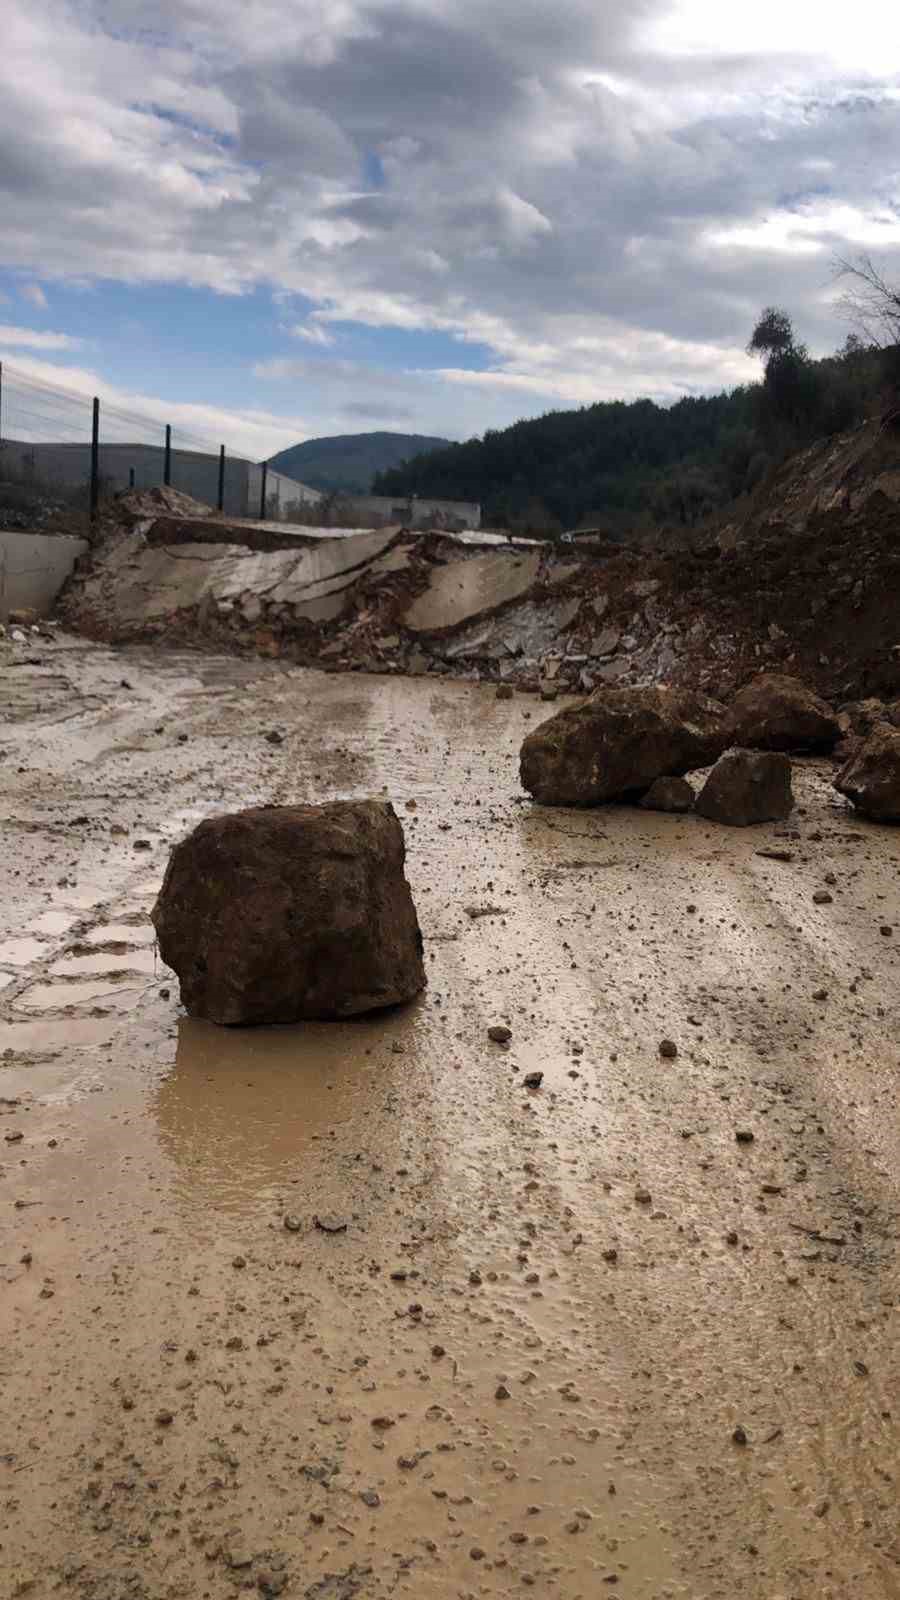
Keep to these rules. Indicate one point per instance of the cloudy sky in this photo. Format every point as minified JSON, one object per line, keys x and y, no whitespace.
{"x":278,"y":218}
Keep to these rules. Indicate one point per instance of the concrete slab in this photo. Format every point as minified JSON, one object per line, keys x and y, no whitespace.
{"x":464,"y":589}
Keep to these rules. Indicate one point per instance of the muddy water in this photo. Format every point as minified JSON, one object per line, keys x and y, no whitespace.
{"x":519,"y":1365}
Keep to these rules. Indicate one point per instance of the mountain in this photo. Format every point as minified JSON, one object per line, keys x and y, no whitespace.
{"x":349,"y":461}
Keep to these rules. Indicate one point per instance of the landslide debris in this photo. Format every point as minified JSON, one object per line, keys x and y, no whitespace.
{"x":778,"y":712}
{"x":284,"y":913}
{"x":871,"y":777}
{"x":615,"y":744}
{"x":747,"y":786}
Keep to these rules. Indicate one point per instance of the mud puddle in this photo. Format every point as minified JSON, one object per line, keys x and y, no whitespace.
{"x":336,"y":1311}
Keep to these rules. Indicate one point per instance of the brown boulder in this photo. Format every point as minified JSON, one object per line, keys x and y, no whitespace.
{"x":669,"y":794}
{"x":616,"y":743}
{"x":777,"y":712}
{"x":747,"y":786}
{"x":281,"y":913}
{"x":871,"y":778}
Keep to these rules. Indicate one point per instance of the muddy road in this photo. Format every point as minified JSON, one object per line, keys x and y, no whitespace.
{"x":568,"y":1341}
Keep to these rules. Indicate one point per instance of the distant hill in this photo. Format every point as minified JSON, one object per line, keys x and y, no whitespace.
{"x":349,"y":461}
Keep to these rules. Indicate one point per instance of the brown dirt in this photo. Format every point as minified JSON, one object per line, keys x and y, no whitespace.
{"x":527,"y":1363}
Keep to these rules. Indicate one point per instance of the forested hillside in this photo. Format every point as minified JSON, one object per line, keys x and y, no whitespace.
{"x":617,"y":466}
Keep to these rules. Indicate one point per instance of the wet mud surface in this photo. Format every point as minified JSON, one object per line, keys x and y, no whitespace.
{"x":346,"y":1309}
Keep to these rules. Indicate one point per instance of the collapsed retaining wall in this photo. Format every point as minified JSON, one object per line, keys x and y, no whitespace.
{"x":823,"y":601}
{"x":33,"y":569}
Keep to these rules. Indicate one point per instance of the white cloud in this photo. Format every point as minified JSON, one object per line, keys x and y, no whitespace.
{"x":131,"y":415}
{"x":603,"y":195}
{"x":30,"y":338}
{"x":34,"y":294}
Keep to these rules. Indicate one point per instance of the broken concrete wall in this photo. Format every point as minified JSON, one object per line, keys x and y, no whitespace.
{"x":33,"y":569}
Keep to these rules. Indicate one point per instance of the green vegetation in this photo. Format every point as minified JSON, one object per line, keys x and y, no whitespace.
{"x":619,"y":466}
{"x":348,"y":462}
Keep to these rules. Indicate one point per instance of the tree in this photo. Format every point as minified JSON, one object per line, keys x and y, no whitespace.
{"x":773,"y":336}
{"x":870,"y":303}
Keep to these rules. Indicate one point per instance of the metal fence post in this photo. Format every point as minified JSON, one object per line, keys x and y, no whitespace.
{"x":262,"y":491}
{"x":220,"y":501}
{"x":1,"y":402}
{"x":167,"y":464}
{"x":95,"y":460}
{"x":131,"y":477}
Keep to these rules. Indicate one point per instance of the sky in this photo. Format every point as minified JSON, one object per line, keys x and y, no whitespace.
{"x":268,"y":220}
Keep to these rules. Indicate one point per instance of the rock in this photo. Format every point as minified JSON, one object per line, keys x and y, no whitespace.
{"x":669,"y":794}
{"x":277,"y":914}
{"x":533,"y":1080}
{"x":740,"y":1436}
{"x":777,"y":712}
{"x":23,"y":617}
{"x":668,"y":1049}
{"x":504,"y":691}
{"x":616,"y":743}
{"x":744,"y":1136}
{"x":747,"y":786}
{"x":871,"y":778}
{"x":823,"y":898}
{"x":499,"y":1033}
{"x":292,"y":1223}
{"x":274,"y":737}
{"x":328,"y":1223}
{"x":549,"y":689}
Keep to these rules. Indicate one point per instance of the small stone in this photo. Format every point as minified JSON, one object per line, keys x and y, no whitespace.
{"x":611,"y":1255}
{"x":668,"y":1049}
{"x":370,"y":1497}
{"x":476,"y":1553}
{"x":820,"y":994}
{"x":739,"y":1435}
{"x":292,"y":1223}
{"x":643,"y":1197}
{"x":239,"y":1261}
{"x":142,"y":844}
{"x":822,"y":898}
{"x":501,"y":1392}
{"x":744,"y":1136}
{"x":14,"y":1137}
{"x":164,"y":1419}
{"x":399,"y":1275}
{"x":886,"y":930}
{"x":504,"y":691}
{"x":274,"y":737}
{"x":499,"y":1033}
{"x":533,"y":1080}
{"x":383,"y":1423}
{"x":329,"y":1223}
{"x":731,"y":1237}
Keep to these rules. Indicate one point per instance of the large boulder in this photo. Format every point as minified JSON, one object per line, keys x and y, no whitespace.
{"x":747,"y":786}
{"x":871,"y":778}
{"x":615,"y":744}
{"x":282,"y":913}
{"x":777,"y":712}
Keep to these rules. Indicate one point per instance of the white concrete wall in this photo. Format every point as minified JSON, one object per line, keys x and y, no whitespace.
{"x":193,"y":472}
{"x":33,"y":569}
{"x":377,"y":510}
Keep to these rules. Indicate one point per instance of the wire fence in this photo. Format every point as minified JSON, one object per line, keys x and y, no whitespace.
{"x":64,"y":450}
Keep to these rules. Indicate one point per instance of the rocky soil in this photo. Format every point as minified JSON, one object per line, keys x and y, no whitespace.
{"x":577,"y":1276}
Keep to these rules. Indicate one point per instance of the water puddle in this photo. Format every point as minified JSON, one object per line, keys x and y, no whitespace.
{"x":107,"y":991}
{"x":20,"y":952}
{"x":114,"y":963}
{"x":56,"y":1034}
{"x":142,"y":932}
{"x":51,"y":922}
